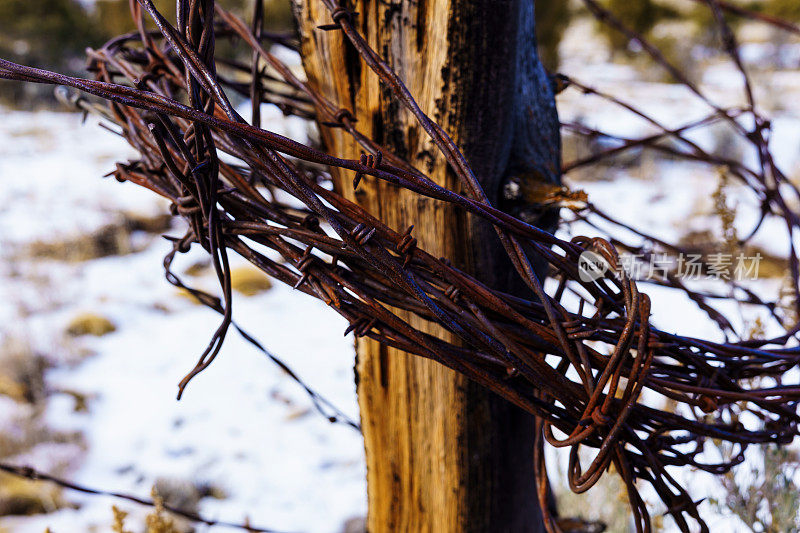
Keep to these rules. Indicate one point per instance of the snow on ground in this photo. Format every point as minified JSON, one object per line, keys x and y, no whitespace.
{"x":244,"y":427}
{"x":668,"y":199}
{"x":50,"y":167}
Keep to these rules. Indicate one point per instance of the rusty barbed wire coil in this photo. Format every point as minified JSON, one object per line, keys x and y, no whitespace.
{"x":581,"y":369}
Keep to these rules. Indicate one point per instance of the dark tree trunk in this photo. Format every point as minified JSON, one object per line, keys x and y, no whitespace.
{"x":443,"y":454}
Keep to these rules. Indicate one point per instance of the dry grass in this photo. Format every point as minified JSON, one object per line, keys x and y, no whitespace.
{"x":249,"y":281}
{"x":118,"y":526}
{"x":24,"y":395}
{"x":158,"y":521}
{"x":111,"y":239}
{"x":21,"y":372}
{"x":90,"y":324}
{"x":606,"y":503}
{"x":21,"y":497}
{"x":726,"y":239}
{"x":770,"y":266}
{"x":197,"y":268}
{"x":174,"y":493}
{"x":770,"y":500}
{"x":81,"y":400}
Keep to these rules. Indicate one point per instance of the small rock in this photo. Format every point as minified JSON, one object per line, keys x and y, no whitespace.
{"x":357,"y":524}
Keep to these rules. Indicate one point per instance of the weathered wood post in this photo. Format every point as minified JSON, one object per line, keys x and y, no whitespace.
{"x":443,"y":455}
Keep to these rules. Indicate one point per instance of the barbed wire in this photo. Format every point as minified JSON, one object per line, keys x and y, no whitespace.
{"x":581,"y":369}
{"x":321,"y":404}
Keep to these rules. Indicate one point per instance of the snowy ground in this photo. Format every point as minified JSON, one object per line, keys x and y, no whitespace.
{"x":669,"y":199}
{"x":244,"y":427}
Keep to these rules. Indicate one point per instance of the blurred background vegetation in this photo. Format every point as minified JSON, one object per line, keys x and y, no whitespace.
{"x":53,"y":34}
{"x":651,"y":19}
